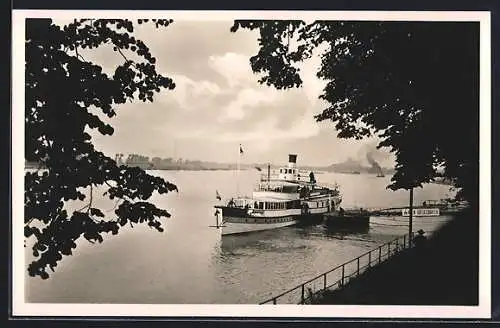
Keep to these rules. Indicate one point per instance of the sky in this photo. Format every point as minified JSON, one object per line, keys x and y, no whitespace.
{"x":218,"y":104}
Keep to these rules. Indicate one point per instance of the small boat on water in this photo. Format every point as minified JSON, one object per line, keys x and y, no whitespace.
{"x":278,"y":202}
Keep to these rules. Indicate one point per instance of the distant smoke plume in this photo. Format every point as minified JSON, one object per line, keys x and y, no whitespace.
{"x":375,"y":166}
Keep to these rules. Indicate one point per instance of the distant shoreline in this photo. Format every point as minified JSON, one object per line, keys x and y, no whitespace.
{"x":209,"y":166}
{"x":246,"y":168}
{"x":172,"y":164}
{"x":158,"y":169}
{"x":316,"y":170}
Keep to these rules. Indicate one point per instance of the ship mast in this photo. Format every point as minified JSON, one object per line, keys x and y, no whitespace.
{"x":268,"y":174}
{"x":238,"y":173}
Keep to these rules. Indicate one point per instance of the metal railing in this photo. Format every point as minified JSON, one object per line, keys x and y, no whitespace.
{"x":342,"y":274}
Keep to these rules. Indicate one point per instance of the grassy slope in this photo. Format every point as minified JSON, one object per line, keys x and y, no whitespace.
{"x":445,"y":272}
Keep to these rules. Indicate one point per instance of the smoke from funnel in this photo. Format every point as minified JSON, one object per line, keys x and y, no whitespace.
{"x":375,"y":166}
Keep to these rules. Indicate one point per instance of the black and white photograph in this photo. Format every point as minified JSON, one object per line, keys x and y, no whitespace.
{"x":251,"y":164}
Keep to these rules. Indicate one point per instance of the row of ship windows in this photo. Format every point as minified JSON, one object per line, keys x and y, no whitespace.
{"x":276,"y":206}
{"x":284,"y":205}
{"x":321,"y":204}
{"x":267,"y":220}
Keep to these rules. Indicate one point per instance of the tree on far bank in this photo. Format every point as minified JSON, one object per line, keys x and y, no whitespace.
{"x":415,"y":85}
{"x":64,"y":95}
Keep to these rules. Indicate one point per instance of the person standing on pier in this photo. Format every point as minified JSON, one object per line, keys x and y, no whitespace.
{"x":420,"y":239}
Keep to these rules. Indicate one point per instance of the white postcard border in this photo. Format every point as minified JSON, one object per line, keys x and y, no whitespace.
{"x":21,"y":308}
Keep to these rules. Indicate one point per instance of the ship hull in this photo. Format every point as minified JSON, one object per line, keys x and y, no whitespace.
{"x":237,"y":220}
{"x":231,"y":227}
{"x":240,"y":220}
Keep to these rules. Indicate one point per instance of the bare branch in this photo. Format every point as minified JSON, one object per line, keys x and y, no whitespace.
{"x":121,"y":53}
{"x":88,"y":205}
{"x":114,"y":207}
{"x":78,"y":55}
{"x":124,"y":57}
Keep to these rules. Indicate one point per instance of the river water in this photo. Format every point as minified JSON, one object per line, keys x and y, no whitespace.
{"x":190,"y":263}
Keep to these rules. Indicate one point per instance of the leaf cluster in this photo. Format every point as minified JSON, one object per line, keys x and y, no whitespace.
{"x":65,"y":96}
{"x":414,"y":85}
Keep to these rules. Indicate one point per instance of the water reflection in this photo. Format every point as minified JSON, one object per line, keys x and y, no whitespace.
{"x":289,"y":238}
{"x":327,"y":231}
{"x":274,"y":240}
{"x":342,"y":231}
{"x":255,"y":240}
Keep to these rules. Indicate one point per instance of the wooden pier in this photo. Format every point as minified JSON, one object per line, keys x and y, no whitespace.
{"x":362,"y":213}
{"x":360,"y":217}
{"x":347,"y":218}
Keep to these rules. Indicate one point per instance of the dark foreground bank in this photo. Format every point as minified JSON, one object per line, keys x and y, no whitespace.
{"x":442,"y":272}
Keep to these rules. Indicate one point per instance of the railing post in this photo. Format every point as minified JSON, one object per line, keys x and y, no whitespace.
{"x":302,"y":294}
{"x":397,"y":245}
{"x":357,"y":271}
{"x":379,"y":254}
{"x":343,"y":274}
{"x":404,"y":241}
{"x":324,"y":281}
{"x":274,"y":301}
{"x":369,"y":259}
{"x":388,"y":249}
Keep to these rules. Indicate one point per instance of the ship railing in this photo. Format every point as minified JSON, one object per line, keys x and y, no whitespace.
{"x":275,"y":187}
{"x":272,"y":176}
{"x":339,"y":276}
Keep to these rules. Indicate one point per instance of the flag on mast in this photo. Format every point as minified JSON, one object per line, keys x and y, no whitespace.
{"x":238,"y":171}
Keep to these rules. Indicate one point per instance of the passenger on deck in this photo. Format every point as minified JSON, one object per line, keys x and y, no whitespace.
{"x":231,"y":203}
{"x":312,"y":179}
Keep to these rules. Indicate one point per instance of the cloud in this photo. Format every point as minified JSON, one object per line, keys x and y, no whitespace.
{"x":235,"y":68}
{"x":312,"y":85}
{"x":246,"y":101}
{"x":218,"y":102}
{"x":189,"y":93}
{"x":185,"y":47}
{"x":279,"y":114}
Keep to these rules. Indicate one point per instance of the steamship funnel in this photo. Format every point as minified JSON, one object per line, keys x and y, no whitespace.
{"x":292,"y":160}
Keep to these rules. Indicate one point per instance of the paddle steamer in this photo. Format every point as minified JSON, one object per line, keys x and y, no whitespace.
{"x":278,"y":202}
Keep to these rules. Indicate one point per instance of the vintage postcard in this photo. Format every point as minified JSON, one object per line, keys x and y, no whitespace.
{"x":251,"y":164}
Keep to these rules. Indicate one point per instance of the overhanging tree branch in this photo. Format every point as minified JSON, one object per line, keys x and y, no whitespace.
{"x":60,"y":120}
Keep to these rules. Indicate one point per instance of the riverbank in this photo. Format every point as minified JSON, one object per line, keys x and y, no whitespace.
{"x":443,"y":272}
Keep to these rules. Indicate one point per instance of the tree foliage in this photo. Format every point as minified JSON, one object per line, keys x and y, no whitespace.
{"x":64,"y":95}
{"x":415,"y":85}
